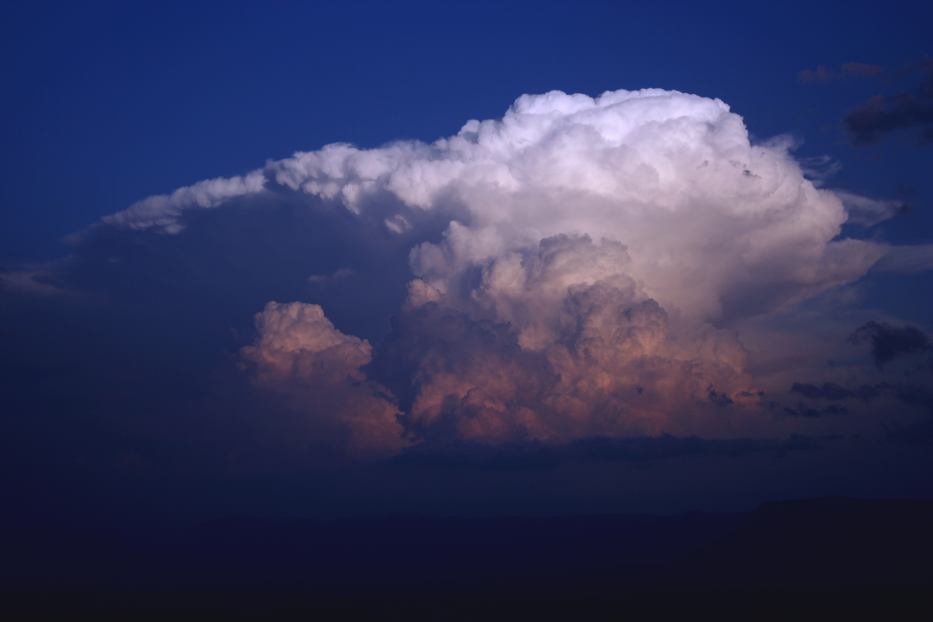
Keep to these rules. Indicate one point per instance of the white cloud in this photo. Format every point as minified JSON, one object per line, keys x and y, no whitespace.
{"x":162,"y":212}
{"x":673,"y":176}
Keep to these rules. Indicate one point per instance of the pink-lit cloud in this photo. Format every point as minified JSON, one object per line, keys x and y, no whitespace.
{"x":299,"y":354}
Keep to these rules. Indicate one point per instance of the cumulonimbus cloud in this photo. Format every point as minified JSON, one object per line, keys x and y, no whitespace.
{"x":596,"y":251}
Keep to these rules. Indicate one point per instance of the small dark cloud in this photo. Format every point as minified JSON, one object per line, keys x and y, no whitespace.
{"x":811,"y":412}
{"x":926,"y":136}
{"x":872,"y":120}
{"x":862,"y":70}
{"x":718,"y":398}
{"x":834,"y":392}
{"x":891,"y":342}
{"x":822,"y":73}
{"x":827,"y":390}
{"x":912,"y":394}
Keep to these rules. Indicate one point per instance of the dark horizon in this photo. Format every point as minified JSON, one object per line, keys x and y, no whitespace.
{"x":830,"y":555}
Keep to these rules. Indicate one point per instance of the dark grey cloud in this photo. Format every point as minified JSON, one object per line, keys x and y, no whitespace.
{"x":926,"y":136}
{"x":822,"y":73}
{"x":911,"y":394}
{"x":834,"y":392}
{"x":828,"y":390}
{"x":810,"y":412}
{"x":891,"y":342}
{"x":882,"y":114}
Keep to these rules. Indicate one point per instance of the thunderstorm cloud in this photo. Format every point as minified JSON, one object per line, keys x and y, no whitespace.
{"x":580,"y":268}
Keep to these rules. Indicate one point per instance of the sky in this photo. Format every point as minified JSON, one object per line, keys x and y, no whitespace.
{"x":470,"y":258}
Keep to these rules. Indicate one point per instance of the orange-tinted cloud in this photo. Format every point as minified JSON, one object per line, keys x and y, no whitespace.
{"x":299,"y":354}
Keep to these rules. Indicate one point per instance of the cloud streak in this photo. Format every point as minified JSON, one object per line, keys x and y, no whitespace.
{"x":822,"y":73}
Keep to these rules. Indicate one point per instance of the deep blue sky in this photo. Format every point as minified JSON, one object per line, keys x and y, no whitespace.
{"x":107,"y":102}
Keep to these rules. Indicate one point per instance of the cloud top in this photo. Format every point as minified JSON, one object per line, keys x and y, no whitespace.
{"x":707,"y":215}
